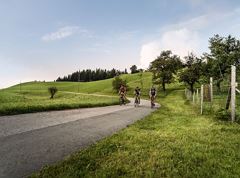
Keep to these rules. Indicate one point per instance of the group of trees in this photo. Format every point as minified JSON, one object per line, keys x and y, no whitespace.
{"x":224,"y":52}
{"x":91,"y":75}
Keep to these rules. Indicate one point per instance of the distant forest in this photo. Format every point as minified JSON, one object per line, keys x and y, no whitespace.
{"x":91,"y":75}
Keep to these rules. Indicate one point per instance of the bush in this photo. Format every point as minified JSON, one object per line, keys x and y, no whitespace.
{"x":52,"y":91}
{"x":117,"y":82}
{"x":223,"y":114}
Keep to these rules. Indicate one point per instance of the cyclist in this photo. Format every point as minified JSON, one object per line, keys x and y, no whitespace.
{"x":137,"y":93}
{"x":152,"y":95}
{"x":122,"y":93}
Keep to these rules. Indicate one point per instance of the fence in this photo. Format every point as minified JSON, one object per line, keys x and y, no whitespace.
{"x":209,"y":98}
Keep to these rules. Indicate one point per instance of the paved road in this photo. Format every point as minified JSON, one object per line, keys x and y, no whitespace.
{"x":30,"y":141}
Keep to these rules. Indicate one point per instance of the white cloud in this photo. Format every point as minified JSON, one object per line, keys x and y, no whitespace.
{"x":181,"y":42}
{"x":64,"y":32}
{"x":190,"y":35}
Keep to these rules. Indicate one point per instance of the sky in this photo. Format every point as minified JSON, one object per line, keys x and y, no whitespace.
{"x":45,"y":39}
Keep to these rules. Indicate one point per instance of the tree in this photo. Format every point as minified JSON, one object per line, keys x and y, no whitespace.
{"x":91,"y":75}
{"x":113,"y":73}
{"x":134,"y":69}
{"x":164,"y":67}
{"x":117,"y":82}
{"x":224,"y":52}
{"x":52,"y":91}
{"x":192,"y":71}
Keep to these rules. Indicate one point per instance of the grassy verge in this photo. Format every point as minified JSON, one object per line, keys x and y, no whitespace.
{"x":217,"y":107}
{"x":36,"y":101}
{"x":172,"y":142}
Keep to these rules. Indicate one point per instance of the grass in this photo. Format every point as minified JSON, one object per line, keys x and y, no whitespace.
{"x":174,"y":141}
{"x":218,"y":103}
{"x":13,"y":102}
{"x":102,"y":86}
{"x":34,"y":96}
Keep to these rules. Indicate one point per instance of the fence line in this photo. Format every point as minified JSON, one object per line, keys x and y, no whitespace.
{"x":216,"y":99}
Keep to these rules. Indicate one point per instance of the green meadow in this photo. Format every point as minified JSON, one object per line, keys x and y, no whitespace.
{"x":174,"y":141}
{"x":34,"y":97}
{"x":13,"y":102}
{"x":100,"y":87}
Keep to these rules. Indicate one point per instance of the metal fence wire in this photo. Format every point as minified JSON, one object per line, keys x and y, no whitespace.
{"x":210,"y":99}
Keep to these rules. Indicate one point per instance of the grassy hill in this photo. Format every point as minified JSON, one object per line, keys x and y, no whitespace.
{"x":101,"y":87}
{"x":34,"y":96}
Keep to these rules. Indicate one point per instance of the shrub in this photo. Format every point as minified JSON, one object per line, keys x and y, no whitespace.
{"x":52,"y":91}
{"x":117,"y":82}
{"x":223,"y":114}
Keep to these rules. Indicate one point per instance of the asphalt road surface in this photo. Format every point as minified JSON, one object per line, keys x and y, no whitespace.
{"x":30,"y":141}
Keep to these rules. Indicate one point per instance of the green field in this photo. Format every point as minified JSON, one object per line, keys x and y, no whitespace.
{"x":34,"y":96}
{"x":35,"y":101}
{"x":175,"y":141}
{"x":102,"y":86}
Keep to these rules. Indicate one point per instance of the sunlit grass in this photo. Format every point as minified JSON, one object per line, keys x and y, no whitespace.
{"x":34,"y":96}
{"x":102,"y":86}
{"x":39,"y":100}
{"x":174,"y":141}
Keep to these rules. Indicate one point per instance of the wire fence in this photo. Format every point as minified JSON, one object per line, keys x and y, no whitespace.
{"x":209,"y":103}
{"x":210,"y":99}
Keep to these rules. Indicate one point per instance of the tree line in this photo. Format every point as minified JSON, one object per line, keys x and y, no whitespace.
{"x":224,"y":52}
{"x":91,"y":75}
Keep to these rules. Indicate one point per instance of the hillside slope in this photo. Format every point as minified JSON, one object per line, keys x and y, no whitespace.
{"x":34,"y":96}
{"x":101,"y":86}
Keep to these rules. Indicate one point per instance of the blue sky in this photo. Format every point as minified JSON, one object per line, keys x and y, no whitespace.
{"x":44,"y":39}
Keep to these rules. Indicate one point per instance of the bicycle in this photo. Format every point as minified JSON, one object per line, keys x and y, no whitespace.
{"x":122,"y":99}
{"x":137,"y":101}
{"x":152,"y":101}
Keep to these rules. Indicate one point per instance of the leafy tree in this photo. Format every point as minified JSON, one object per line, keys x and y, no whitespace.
{"x":134,"y":69}
{"x":164,"y":68}
{"x":224,"y":52}
{"x":52,"y":91}
{"x":117,"y":82}
{"x":192,"y":71}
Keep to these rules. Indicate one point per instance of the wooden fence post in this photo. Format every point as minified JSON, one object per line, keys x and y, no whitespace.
{"x":211,"y":89}
{"x":201,"y":99}
{"x":197,"y":96}
{"x":228,"y":98}
{"x":233,"y":92}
